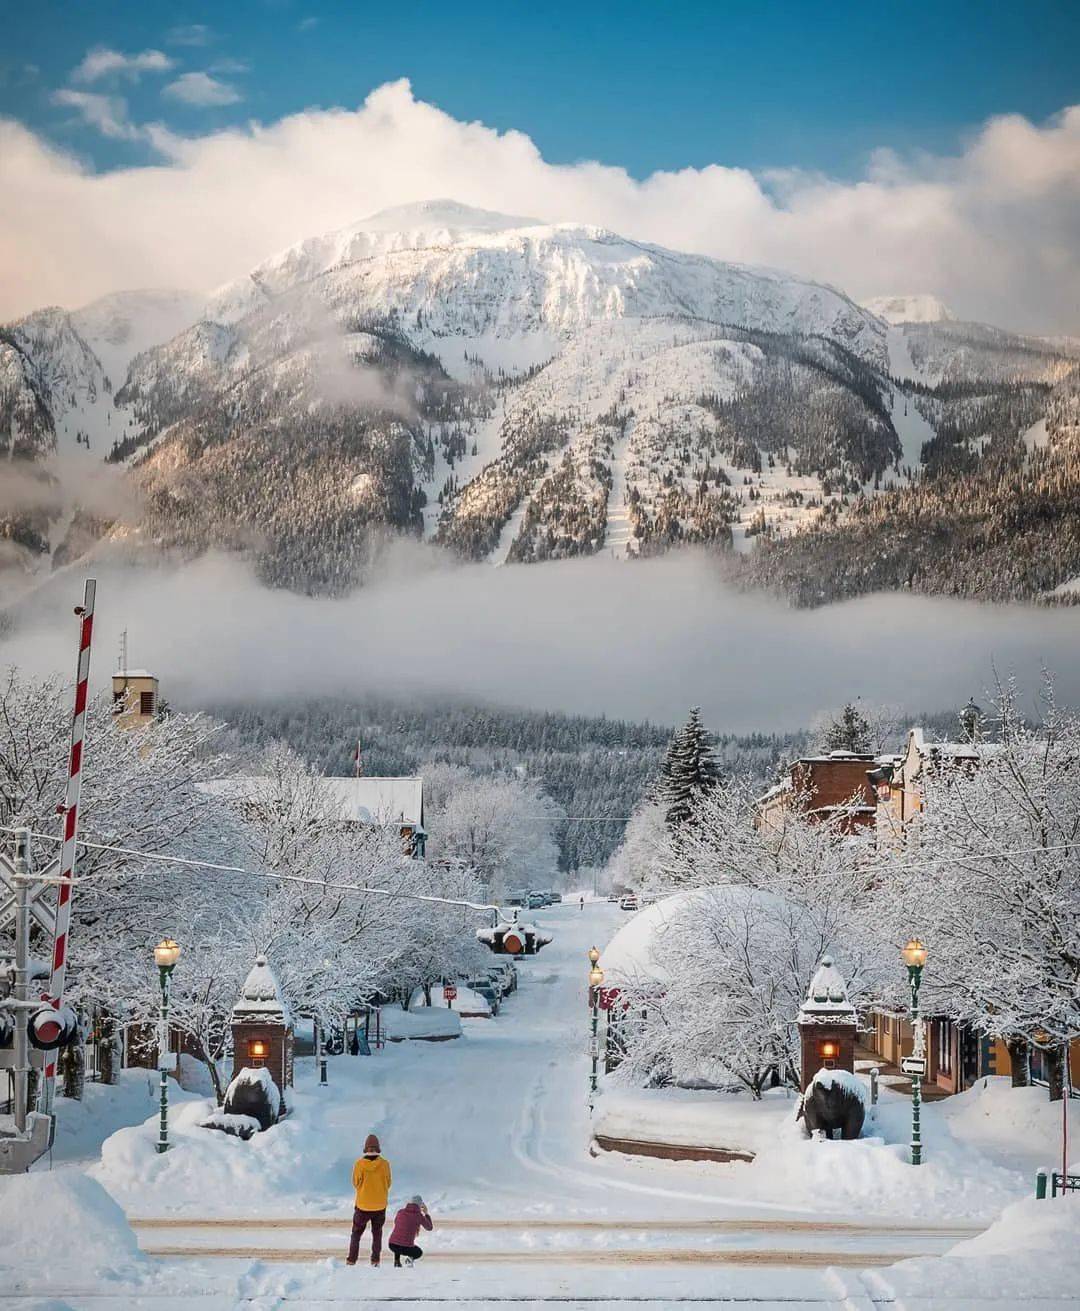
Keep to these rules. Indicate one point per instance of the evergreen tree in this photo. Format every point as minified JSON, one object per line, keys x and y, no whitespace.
{"x":688,"y":772}
{"x":849,"y":731}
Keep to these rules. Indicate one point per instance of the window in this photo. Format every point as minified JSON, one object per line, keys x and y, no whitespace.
{"x":943,"y":1036}
{"x":146,"y":703}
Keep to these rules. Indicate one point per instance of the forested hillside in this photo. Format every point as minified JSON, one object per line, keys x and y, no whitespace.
{"x":595,"y":768}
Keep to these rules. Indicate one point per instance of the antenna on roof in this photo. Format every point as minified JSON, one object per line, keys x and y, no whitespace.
{"x":123,"y":657}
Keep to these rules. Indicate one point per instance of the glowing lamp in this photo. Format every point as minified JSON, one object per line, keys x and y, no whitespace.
{"x":596,"y":976}
{"x":166,"y":954}
{"x":830,"y":1050}
{"x":914,"y":954}
{"x":514,"y":943}
{"x":257,"y":1048}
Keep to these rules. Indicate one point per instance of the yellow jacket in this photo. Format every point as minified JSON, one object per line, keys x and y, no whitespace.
{"x":371,"y":1179}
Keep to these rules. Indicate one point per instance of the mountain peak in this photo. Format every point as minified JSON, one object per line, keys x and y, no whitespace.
{"x":919,"y":308}
{"x":442,"y":213}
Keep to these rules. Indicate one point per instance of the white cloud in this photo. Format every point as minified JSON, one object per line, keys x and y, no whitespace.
{"x":201,"y":89}
{"x":993,"y":231}
{"x":108,"y":114}
{"x":102,"y":61}
{"x":189,"y":34}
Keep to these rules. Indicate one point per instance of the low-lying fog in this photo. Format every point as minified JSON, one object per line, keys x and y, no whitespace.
{"x":633,"y":640}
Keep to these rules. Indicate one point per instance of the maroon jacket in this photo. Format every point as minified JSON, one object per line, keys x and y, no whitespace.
{"x":407,"y":1224}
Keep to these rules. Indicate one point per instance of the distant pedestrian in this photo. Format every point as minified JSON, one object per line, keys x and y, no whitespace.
{"x":581,"y":903}
{"x":407,"y":1224}
{"x":371,"y":1178}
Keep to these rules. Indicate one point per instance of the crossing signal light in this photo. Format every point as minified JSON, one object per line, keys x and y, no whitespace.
{"x":50,"y":1027}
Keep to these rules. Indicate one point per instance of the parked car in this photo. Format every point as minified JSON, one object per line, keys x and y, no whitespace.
{"x":628,"y":901}
{"x":613,"y":896}
{"x":500,"y":979}
{"x":515,"y":897}
{"x":484,"y":986}
{"x":505,"y":970}
{"x":536,"y":900}
{"x":554,"y":898}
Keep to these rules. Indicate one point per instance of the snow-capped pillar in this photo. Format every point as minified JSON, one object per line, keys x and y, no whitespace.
{"x":827,"y":1024}
{"x":262,"y":1029}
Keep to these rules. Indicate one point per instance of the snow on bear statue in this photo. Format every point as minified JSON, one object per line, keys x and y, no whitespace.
{"x":254,"y":1095}
{"x":835,"y":1100}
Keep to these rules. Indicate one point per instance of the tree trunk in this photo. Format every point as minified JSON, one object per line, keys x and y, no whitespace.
{"x":215,"y":1076}
{"x":427,"y":994}
{"x":1019,"y":1050}
{"x":107,"y":1040}
{"x":72,"y":1068}
{"x":1055,"y":1072}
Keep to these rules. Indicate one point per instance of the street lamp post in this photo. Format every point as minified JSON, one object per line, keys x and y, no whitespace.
{"x":914,"y":954}
{"x":166,"y":954}
{"x":596,"y":978}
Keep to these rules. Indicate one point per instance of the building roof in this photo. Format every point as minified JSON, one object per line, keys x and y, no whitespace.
{"x":357,"y":800}
{"x":827,"y":998}
{"x":260,"y":997}
{"x":133,"y":673}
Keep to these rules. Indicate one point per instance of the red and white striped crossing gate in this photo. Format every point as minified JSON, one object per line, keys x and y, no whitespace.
{"x":85,"y":613}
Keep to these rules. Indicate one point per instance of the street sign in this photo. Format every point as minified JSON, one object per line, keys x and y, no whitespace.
{"x":594,"y":1048}
{"x":449,"y":992}
{"x":914,"y":1065}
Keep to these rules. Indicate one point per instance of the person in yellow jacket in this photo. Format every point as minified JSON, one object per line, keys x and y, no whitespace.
{"x":371,"y":1178}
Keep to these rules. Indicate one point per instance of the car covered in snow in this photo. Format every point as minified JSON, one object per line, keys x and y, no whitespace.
{"x":628,"y":901}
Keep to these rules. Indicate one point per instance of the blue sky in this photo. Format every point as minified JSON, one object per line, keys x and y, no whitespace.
{"x":643,"y":85}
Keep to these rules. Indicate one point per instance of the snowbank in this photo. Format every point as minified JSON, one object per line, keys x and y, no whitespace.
{"x":425,"y":1024}
{"x":976,"y":1147}
{"x":52,"y":1223}
{"x":1029,"y":1251}
{"x":688,"y":1118}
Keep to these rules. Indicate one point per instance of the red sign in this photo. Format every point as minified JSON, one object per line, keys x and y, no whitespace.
{"x":449,"y":992}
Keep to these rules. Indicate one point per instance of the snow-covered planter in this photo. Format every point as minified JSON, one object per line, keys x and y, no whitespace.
{"x":423,"y":1024}
{"x":252,"y":1095}
{"x":240,"y":1126}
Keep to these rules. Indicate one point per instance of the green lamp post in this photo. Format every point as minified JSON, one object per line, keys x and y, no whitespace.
{"x":166,"y":954}
{"x":914,"y":954}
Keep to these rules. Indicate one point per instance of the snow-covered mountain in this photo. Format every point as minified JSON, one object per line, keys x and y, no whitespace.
{"x":516,"y":390}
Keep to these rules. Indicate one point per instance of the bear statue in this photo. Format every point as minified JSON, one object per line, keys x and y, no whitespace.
{"x":834,"y":1101}
{"x":254,"y":1096}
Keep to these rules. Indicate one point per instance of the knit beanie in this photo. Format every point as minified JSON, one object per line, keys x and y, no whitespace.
{"x":371,"y":1145}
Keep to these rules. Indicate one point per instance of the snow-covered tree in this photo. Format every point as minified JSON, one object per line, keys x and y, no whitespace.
{"x":503,"y":827}
{"x":990,"y":880}
{"x":689,"y":771}
{"x":757,"y":912}
{"x":848,"y":730}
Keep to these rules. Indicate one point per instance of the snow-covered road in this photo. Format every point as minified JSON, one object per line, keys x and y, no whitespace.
{"x":493,"y":1131}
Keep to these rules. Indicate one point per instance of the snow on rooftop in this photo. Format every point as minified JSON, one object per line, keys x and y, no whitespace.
{"x":260,"y":997}
{"x":356,"y":800}
{"x":827,"y":998}
{"x":134,"y":673}
{"x":636,"y":953}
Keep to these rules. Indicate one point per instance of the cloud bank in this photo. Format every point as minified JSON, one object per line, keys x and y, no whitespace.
{"x":994,"y":230}
{"x":642,"y":640}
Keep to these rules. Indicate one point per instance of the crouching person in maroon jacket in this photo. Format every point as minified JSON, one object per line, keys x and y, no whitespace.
{"x":407,"y":1224}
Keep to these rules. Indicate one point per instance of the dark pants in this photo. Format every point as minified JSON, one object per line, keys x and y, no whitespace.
{"x":399,"y":1251}
{"x":359,"y":1224}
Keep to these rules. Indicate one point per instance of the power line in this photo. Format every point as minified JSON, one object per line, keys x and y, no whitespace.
{"x":157,"y":858}
{"x":1003,"y":854}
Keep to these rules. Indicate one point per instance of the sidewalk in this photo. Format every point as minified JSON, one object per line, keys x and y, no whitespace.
{"x":892,"y":1077}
